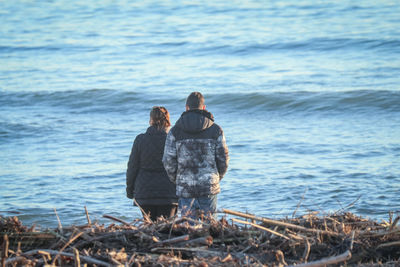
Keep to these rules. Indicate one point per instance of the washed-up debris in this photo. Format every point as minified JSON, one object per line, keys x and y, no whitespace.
{"x":237,"y":239}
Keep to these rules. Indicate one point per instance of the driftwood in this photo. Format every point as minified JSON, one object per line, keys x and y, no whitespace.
{"x":116,"y":219}
{"x":262,"y":228}
{"x":4,"y":251}
{"x":66,"y":245}
{"x":173,"y":240}
{"x":279,"y":223}
{"x":77,"y":259}
{"x":390,"y":244}
{"x":306,"y":241}
{"x":70,"y":255}
{"x":323,"y":262}
{"x":200,"y":241}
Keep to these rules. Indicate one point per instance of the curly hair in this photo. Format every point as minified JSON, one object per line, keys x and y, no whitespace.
{"x":160,"y":117}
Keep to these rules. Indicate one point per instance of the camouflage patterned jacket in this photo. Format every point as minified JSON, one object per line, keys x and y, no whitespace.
{"x":196,"y":155}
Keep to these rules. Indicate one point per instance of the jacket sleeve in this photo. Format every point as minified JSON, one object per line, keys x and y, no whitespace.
{"x":133,"y":169}
{"x":169,"y":159}
{"x":222,"y":155}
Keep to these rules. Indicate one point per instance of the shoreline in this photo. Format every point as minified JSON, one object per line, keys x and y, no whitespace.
{"x":77,"y":216}
{"x":243,"y":240}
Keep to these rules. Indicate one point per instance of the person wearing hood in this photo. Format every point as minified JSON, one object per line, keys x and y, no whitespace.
{"x":146,"y":179}
{"x":196,"y":158}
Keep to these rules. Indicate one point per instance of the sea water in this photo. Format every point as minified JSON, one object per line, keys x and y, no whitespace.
{"x":307,"y":93}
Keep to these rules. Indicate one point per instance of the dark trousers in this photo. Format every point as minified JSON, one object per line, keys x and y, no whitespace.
{"x":155,"y":211}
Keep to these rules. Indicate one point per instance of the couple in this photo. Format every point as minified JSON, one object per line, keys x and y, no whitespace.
{"x":182,"y":165}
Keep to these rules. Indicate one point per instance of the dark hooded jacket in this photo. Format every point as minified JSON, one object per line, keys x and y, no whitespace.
{"x":196,"y":155}
{"x":146,"y":179}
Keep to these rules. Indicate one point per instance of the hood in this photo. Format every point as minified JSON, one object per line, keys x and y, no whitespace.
{"x":195,"y":120}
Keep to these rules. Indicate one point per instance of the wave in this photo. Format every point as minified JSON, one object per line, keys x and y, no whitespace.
{"x":313,"y":44}
{"x":16,"y":130}
{"x":83,"y":101}
{"x":230,"y":48}
{"x":47,"y":48}
{"x":109,"y":101}
{"x":364,"y":101}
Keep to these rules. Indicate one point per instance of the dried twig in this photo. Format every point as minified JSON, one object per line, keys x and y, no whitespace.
{"x":389,"y":244}
{"x":59,"y":222}
{"x":262,"y":228}
{"x":200,"y":251}
{"x":352,"y":240}
{"x":87,"y":217}
{"x":306,"y":251}
{"x":393,"y":224}
{"x":173,"y":240}
{"x":66,"y":245}
{"x":145,"y":215}
{"x":14,"y":260}
{"x":71,"y":255}
{"x":205,"y":240}
{"x":298,"y":204}
{"x":368,"y":233}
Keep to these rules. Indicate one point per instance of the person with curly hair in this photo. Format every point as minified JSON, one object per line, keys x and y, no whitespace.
{"x":146,"y":179}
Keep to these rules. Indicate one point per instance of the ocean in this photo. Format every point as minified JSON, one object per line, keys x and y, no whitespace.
{"x":307,"y":93}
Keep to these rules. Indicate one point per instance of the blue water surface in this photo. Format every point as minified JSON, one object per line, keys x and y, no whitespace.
{"x":307,"y":93}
